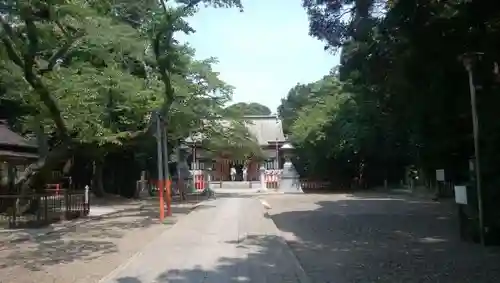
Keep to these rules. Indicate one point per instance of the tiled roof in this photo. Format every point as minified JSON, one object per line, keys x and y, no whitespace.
{"x":266,"y":129}
{"x":10,"y":138}
{"x":17,"y":154}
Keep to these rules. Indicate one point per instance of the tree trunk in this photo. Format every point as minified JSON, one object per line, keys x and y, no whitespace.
{"x":35,"y":176}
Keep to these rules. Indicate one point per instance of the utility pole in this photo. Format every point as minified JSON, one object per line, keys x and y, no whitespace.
{"x":467,"y":61}
{"x":166,"y":168}
{"x":160,"y":164}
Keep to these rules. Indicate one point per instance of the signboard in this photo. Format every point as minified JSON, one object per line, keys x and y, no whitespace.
{"x":461,"y":194}
{"x":440,"y":175}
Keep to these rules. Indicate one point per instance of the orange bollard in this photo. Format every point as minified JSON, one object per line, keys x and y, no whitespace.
{"x":168,"y":184}
{"x":162,"y":203}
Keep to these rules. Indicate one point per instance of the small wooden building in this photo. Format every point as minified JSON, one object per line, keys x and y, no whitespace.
{"x":15,"y":153}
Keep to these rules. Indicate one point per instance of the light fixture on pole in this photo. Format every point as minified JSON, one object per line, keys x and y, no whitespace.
{"x":467,"y":60}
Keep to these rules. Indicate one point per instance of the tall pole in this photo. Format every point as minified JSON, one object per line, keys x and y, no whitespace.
{"x":160,"y":164}
{"x":168,"y":182}
{"x":277,"y":150}
{"x":475,"y":127}
{"x":180,"y":180}
{"x":277,"y":155}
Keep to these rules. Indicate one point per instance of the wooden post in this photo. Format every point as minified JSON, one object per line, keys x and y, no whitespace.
{"x":168,"y":186}
{"x":162,"y":204}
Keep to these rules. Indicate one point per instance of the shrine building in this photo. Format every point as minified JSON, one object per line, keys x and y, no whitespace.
{"x":267,"y":131}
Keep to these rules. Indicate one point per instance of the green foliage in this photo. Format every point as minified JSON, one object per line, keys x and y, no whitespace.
{"x":404,"y":92}
{"x":231,"y":138}
{"x":93,"y":72}
{"x":247,"y":109}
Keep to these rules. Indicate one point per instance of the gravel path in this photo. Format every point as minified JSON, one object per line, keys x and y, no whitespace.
{"x":375,"y":238}
{"x":226,"y":240}
{"x":84,"y":253}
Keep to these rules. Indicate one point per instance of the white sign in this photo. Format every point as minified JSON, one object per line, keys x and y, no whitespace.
{"x":440,"y":175}
{"x":461,"y":194}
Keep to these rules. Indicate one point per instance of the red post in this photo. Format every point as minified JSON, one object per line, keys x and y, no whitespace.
{"x":57,"y":189}
{"x":168,"y":184}
{"x":162,"y":203}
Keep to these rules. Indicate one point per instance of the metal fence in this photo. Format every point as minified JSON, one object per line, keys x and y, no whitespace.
{"x":38,"y":210}
{"x":314,"y":184}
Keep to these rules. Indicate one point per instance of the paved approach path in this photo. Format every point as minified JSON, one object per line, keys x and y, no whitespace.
{"x":223,"y":240}
{"x":376,"y":237}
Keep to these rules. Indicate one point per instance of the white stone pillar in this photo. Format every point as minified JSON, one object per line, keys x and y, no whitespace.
{"x":290,"y":182}
{"x":262,"y":172}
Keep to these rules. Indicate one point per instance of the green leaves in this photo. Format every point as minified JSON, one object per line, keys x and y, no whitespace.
{"x":92,"y":59}
{"x":231,"y":138}
{"x":242,"y":108}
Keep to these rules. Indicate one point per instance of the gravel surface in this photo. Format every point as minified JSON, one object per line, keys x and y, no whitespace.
{"x":375,"y":238}
{"x":225,"y":240}
{"x":84,"y":253}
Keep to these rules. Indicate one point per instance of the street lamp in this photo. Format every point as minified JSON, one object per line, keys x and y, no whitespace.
{"x":467,"y":59}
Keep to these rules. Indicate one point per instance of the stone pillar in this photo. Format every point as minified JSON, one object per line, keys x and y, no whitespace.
{"x":183,"y":173}
{"x":262,"y":172}
{"x":290,"y":182}
{"x":208,"y":178}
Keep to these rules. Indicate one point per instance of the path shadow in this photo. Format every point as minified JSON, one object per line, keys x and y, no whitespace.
{"x":86,"y":241}
{"x":128,"y":280}
{"x":365,"y":238}
{"x":260,"y":260}
{"x":373,"y":237}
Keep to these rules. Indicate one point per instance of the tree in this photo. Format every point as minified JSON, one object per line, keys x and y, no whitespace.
{"x":408,"y":92}
{"x":232,"y":138}
{"x":247,"y":109}
{"x":122,"y":57}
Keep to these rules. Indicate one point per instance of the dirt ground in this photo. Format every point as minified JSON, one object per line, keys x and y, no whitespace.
{"x":86,"y":252}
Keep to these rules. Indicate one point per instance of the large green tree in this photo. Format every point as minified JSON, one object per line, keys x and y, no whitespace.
{"x":247,"y":109}
{"x":91,"y":73}
{"x":400,"y":68}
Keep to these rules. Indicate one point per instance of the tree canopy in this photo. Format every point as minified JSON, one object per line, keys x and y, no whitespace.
{"x":400,"y":96}
{"x":88,"y":75}
{"x":247,"y":109}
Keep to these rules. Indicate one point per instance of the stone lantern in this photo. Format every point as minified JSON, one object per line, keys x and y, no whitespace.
{"x":262,"y":173}
{"x":290,"y":182}
{"x":182,"y":165}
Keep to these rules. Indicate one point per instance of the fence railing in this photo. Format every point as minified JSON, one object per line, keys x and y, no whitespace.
{"x":314,"y":185}
{"x":38,"y":210}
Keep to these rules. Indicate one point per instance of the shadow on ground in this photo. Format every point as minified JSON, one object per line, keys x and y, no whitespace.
{"x":85,"y":241}
{"x":262,"y":264}
{"x":373,"y":237}
{"x":360,"y":237}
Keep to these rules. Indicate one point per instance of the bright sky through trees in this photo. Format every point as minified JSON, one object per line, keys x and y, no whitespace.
{"x":263,"y":51}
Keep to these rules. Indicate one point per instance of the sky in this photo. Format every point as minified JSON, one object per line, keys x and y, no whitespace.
{"x":263,"y":51}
